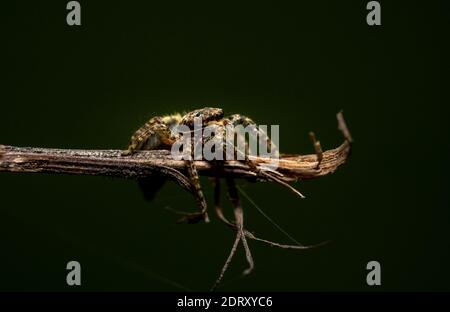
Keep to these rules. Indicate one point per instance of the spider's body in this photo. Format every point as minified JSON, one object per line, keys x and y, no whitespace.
{"x":157,"y":132}
{"x":207,"y":115}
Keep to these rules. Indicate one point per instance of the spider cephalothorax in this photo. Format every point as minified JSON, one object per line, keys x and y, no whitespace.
{"x":206,"y":115}
{"x":158,"y":133}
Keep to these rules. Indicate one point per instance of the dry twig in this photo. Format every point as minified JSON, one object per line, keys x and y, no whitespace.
{"x":146,"y":163}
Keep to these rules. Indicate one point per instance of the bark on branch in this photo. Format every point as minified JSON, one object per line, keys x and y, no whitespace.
{"x":147,"y":163}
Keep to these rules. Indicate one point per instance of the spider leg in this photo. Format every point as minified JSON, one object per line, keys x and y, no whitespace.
{"x":248,"y":234}
{"x":239,"y":226}
{"x":138,"y":139}
{"x":153,"y":134}
{"x":196,"y":190}
{"x":272,"y":177}
{"x":256,"y":131}
{"x":228,"y":261}
{"x":150,"y":136}
{"x":218,"y":205}
{"x":198,"y":194}
{"x":239,"y":216}
{"x":156,"y":134}
{"x":269,"y":174}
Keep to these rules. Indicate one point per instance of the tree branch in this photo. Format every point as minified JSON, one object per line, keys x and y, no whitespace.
{"x":147,"y":163}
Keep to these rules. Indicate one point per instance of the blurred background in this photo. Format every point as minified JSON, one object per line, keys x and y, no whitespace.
{"x":92,"y":86}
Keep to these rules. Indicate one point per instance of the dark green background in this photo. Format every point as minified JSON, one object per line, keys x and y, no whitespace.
{"x":296,"y":66}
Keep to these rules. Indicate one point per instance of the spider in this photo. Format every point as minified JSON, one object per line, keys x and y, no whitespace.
{"x":159,"y":133}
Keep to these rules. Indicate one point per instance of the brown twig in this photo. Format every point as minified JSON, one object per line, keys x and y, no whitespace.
{"x":147,"y":163}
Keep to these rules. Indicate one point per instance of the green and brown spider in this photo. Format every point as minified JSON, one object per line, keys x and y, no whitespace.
{"x":159,"y":133}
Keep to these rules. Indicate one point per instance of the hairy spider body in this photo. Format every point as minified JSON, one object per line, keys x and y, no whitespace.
{"x":207,"y":114}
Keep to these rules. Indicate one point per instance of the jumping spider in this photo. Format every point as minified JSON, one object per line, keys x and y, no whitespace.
{"x":158,"y":133}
